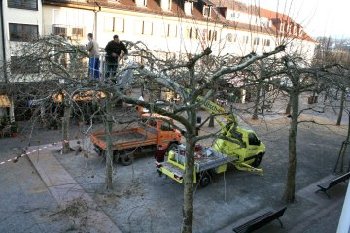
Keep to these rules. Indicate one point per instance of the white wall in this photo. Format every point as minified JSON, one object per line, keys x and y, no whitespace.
{"x":20,"y":16}
{"x":153,"y":31}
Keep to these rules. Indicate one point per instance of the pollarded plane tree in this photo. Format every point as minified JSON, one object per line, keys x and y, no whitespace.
{"x":296,"y":76}
{"x":188,"y":78}
{"x":333,"y":60}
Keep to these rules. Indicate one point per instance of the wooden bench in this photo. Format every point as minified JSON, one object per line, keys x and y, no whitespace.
{"x":324,"y":187}
{"x":258,"y":222}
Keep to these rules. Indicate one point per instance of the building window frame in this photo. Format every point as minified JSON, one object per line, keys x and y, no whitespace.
{"x":22,"y":4}
{"x":147,"y":28}
{"x":266,"y":42}
{"x":113,"y":24}
{"x":77,"y":33}
{"x":18,"y":33}
{"x":166,"y":5}
{"x":207,"y":11}
{"x":245,"y":39}
{"x":59,"y":30}
{"x":229,"y":37}
{"x":256,"y":41}
{"x":188,"y":7}
{"x":141,"y":3}
{"x":189,"y":32}
{"x":67,"y":31}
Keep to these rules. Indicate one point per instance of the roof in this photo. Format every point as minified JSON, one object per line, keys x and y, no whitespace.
{"x":4,"y":101}
{"x":207,"y":2}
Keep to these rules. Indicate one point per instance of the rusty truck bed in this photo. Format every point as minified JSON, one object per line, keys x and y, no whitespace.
{"x":126,"y":139}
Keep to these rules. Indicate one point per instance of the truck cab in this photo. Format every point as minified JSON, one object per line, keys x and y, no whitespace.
{"x":167,"y":135}
{"x":242,"y":143}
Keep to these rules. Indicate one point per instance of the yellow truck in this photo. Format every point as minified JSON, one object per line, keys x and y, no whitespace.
{"x":235,"y":145}
{"x":207,"y":161}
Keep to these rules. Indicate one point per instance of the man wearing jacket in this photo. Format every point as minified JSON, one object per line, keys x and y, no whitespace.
{"x":115,"y":50}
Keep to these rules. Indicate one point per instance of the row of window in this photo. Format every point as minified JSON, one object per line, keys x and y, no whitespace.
{"x":116,"y":24}
{"x":205,"y":34}
{"x":26,"y":32}
{"x":245,"y":40}
{"x":23,"y":4}
{"x":74,"y":33}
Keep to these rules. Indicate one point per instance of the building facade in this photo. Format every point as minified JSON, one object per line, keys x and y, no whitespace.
{"x":21,"y":20}
{"x":171,"y":27}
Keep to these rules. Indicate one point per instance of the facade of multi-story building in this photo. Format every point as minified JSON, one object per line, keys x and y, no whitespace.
{"x":178,"y":26}
{"x":21,"y":20}
{"x":171,"y":27}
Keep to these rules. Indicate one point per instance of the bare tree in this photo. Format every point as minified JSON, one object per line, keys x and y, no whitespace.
{"x":189,"y":79}
{"x":299,"y":77}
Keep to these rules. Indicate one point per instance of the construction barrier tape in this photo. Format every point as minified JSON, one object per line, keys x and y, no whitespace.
{"x":27,"y":153}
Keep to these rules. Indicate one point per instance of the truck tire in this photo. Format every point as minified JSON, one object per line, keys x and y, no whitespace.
{"x":101,"y":152}
{"x":126,"y":158}
{"x":205,"y":179}
{"x":257,"y":160}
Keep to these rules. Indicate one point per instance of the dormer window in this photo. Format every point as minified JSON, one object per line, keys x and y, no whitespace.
{"x":141,"y":3}
{"x":166,"y":5}
{"x":206,"y":11}
{"x":188,"y":8}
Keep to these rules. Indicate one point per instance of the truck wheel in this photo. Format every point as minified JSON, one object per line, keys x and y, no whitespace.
{"x":126,"y":158}
{"x":102,"y":153}
{"x":258,"y":160}
{"x":116,"y":156}
{"x":98,"y":151}
{"x":205,"y":179}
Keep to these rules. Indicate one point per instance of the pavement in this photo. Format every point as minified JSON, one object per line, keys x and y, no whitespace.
{"x":66,"y":190}
{"x":46,"y":191}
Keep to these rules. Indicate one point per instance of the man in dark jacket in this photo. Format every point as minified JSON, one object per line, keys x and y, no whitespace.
{"x":114,"y":53}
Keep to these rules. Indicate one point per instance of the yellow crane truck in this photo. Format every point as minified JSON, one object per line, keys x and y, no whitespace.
{"x":235,"y":145}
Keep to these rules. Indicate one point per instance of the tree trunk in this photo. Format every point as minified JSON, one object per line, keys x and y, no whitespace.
{"x":289,"y":193}
{"x":257,"y":101}
{"x":341,"y":108}
{"x":343,"y":149}
{"x":288,"y":108}
{"x":188,"y":179}
{"x":12,"y":110}
{"x":212,"y":118}
{"x":109,"y":152}
{"x":211,"y":121}
{"x":65,"y":128}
